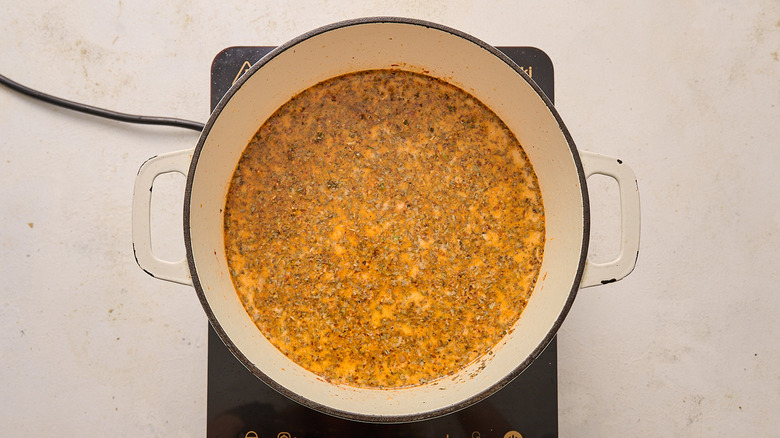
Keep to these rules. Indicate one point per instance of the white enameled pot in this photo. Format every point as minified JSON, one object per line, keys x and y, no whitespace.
{"x":462,"y":60}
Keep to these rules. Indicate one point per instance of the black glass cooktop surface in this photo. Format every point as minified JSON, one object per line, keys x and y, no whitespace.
{"x":241,"y":405}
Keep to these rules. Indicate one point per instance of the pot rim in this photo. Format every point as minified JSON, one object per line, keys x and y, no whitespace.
{"x":324,"y":408}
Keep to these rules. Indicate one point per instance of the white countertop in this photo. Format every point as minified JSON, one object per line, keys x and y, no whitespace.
{"x":686,"y":93}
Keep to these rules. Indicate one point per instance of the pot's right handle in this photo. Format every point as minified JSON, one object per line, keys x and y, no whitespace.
{"x":603,"y":273}
{"x":177,"y":271}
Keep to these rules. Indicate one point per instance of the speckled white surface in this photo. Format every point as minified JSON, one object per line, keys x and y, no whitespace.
{"x":687,"y":93}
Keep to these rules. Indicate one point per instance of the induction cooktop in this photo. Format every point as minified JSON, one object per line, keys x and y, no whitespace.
{"x":241,"y":405}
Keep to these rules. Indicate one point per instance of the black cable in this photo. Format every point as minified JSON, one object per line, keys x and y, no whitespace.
{"x":87,"y":109}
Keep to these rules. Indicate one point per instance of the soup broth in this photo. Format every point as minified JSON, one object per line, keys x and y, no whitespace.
{"x":384,"y":229}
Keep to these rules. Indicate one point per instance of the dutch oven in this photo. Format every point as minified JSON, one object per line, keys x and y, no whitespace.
{"x":439,"y":51}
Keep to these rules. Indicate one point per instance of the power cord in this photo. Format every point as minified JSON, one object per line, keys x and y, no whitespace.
{"x":100,"y":112}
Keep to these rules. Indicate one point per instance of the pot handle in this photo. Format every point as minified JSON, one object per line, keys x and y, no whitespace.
{"x":178,"y":271}
{"x":609,"y":272}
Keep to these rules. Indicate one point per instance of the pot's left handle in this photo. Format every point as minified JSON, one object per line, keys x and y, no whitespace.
{"x":603,"y":273}
{"x":177,"y":271}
